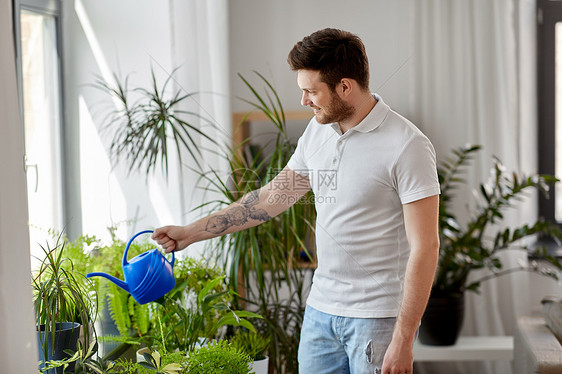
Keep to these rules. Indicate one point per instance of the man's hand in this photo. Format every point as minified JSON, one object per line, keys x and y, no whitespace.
{"x":398,"y":358}
{"x":172,"y":238}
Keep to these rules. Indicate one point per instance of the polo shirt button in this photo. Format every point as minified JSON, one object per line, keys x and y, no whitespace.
{"x":334,"y":160}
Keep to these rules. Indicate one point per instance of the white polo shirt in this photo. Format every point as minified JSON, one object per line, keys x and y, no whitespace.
{"x":360,"y":180}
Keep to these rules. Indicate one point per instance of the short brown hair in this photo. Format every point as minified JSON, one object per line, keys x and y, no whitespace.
{"x":336,"y":54}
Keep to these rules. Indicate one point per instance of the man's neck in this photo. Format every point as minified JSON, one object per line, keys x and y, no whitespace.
{"x":364,"y":105}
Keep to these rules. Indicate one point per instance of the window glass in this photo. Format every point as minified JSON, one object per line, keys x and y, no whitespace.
{"x":41,"y":105}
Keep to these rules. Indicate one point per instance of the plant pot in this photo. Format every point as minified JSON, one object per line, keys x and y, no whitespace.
{"x":140,"y":357}
{"x":442,"y":320}
{"x":66,"y":337}
{"x":260,"y":366}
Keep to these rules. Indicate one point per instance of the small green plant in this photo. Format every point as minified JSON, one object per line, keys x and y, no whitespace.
{"x":252,"y":343}
{"x":187,"y":326}
{"x":61,"y":295}
{"x":217,"y":358}
{"x":154,"y":362}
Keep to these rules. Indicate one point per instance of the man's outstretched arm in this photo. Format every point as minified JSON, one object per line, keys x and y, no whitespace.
{"x":251,"y":210}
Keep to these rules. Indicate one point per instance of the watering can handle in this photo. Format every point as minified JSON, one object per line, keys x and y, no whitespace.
{"x":133,"y":238}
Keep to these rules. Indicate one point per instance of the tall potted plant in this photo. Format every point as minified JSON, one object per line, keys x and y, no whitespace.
{"x":263,"y":259}
{"x":64,"y":300}
{"x":475,"y":244}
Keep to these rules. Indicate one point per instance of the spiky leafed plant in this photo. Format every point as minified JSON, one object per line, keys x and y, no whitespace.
{"x":476,"y":243}
{"x":147,"y":127}
{"x":62,"y":295}
{"x":259,"y":260}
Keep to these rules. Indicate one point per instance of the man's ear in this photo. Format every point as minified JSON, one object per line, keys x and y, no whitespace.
{"x":346,"y":86}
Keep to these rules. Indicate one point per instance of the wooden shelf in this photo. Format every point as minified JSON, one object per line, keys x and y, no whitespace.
{"x":241,"y":122}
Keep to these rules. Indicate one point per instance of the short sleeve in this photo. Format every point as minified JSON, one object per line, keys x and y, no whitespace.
{"x":297,"y":162}
{"x":415,"y":171}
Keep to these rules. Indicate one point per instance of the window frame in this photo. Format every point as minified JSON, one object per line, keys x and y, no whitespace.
{"x":51,"y":8}
{"x":548,"y":14}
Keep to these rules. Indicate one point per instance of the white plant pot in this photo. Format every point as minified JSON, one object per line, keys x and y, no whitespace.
{"x":140,"y":357}
{"x":260,"y":366}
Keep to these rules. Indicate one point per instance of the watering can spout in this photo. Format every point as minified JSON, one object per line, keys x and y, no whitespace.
{"x":118,"y":282}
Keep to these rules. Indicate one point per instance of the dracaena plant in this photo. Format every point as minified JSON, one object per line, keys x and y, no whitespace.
{"x":148,"y":122}
{"x":62,"y":294}
{"x":475,"y":244}
{"x":269,"y":255}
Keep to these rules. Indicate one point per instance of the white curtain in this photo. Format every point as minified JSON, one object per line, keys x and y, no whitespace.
{"x":200,"y":48}
{"x":18,"y":346}
{"x":474,"y":82}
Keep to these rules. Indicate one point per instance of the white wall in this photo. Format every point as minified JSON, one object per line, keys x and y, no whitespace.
{"x":262,"y":32}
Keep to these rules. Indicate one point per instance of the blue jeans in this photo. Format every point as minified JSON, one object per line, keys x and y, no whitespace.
{"x":341,"y":345}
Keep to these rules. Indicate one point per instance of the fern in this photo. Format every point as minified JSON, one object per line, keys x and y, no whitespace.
{"x":140,"y":315}
{"x":117,"y":309}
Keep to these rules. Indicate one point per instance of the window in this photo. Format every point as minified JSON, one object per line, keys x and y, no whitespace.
{"x":40,"y":97}
{"x":549,"y":38}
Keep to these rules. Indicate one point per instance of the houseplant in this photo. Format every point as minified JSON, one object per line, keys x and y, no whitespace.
{"x":149,"y":122}
{"x":185,"y":326}
{"x":475,"y":244}
{"x":217,"y":358}
{"x":256,"y":346}
{"x":264,"y":259}
{"x":64,"y":300}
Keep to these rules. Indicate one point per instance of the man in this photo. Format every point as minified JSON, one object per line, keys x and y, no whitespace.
{"x":376,"y":230}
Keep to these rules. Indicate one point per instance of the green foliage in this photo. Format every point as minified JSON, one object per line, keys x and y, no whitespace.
{"x":146,"y":128}
{"x":252,"y":343}
{"x":88,"y":361}
{"x":154,"y":361}
{"x":269,"y":255}
{"x":61,"y":294}
{"x":476,"y":243}
{"x":186,"y":326}
{"x":217,"y":358}
{"x":117,"y":303}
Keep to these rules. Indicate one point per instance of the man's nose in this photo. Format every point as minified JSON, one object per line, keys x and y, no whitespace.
{"x":305,"y":101}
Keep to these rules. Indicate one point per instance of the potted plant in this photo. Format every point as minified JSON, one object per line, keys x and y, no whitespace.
{"x":475,"y":244}
{"x":64,"y":300}
{"x":154,"y":361}
{"x":256,"y":346}
{"x":217,"y":358}
{"x":264,"y":259}
{"x":186,"y":326}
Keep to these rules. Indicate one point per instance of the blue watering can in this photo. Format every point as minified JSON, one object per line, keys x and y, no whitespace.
{"x":148,"y":276}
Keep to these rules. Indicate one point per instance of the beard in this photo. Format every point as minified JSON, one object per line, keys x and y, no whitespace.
{"x":337,"y":111}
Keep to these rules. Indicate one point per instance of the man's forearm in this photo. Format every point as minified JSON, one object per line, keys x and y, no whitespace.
{"x":417,"y":287}
{"x":251,"y":210}
{"x":245,"y":213}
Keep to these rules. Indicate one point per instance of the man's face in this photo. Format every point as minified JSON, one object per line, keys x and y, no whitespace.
{"x":327,"y":105}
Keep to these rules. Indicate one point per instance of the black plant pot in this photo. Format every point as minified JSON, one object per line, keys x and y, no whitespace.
{"x":442,"y":320}
{"x":66,"y":337}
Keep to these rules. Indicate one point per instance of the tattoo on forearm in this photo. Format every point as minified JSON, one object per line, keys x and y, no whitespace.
{"x":238,"y":215}
{"x":251,"y":198}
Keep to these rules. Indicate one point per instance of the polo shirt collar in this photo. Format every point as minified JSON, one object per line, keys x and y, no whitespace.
{"x":375,"y":117}
{"x":373,"y":120}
